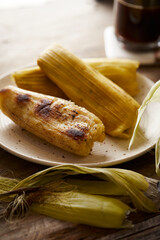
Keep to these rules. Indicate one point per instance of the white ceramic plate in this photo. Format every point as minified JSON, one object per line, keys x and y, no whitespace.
{"x":27,"y":146}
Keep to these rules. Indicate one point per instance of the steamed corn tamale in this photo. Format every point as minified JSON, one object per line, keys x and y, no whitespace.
{"x":33,"y":79}
{"x":58,"y":121}
{"x":120,"y":71}
{"x":90,"y":89}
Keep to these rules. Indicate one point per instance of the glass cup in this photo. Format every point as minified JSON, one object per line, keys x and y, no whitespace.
{"x":137,"y":23}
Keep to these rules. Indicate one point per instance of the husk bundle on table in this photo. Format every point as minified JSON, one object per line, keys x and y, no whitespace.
{"x":79,"y":194}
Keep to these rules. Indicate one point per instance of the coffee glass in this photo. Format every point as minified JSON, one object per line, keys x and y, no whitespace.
{"x":137,"y":23}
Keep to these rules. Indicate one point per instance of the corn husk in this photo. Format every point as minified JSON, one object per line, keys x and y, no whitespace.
{"x":67,"y":205}
{"x":148,"y":116}
{"x":61,"y":194}
{"x":147,"y":124}
{"x":87,"y":209}
{"x":33,"y":79}
{"x":133,"y":183}
{"x":96,"y":187}
{"x":90,"y":89}
{"x":122,"y":72}
{"x":157,"y":157}
{"x":6,"y":184}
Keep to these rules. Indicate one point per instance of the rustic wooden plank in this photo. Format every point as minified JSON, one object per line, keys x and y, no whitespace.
{"x":148,"y":229}
{"x":12,"y":166}
{"x":41,"y":227}
{"x":34,"y":227}
{"x":37,"y":227}
{"x":151,"y":233}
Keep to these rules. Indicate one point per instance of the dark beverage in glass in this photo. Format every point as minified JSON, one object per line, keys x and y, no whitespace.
{"x":137,"y":23}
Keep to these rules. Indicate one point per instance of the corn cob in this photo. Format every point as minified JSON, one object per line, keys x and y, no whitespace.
{"x":96,"y":187}
{"x":33,"y":79}
{"x":90,"y":89}
{"x":70,"y":206}
{"x":84,"y":208}
{"x":56,"y":198}
{"x":139,"y":188}
{"x":122,"y":72}
{"x":58,"y":121}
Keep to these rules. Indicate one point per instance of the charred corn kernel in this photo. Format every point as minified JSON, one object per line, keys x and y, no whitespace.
{"x":58,"y":121}
{"x":90,"y":89}
{"x":33,"y":79}
{"x":120,"y":71}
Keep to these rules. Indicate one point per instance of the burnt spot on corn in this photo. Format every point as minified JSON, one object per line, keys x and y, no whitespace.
{"x":76,"y":134}
{"x":48,"y":110}
{"x":22,"y":98}
{"x":82,"y":128}
{"x":74,"y":111}
{"x":74,"y":114}
{"x":44,"y":108}
{"x":56,"y":111}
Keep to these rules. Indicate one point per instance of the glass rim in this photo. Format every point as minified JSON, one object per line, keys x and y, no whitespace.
{"x":138,"y":6}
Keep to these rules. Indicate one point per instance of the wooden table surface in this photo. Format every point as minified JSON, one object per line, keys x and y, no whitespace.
{"x":79,"y":26}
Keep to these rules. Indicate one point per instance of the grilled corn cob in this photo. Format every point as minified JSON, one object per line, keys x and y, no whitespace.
{"x":58,"y":121}
{"x":90,"y":89}
{"x":33,"y":79}
{"x":122,"y":72}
